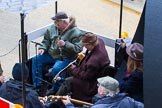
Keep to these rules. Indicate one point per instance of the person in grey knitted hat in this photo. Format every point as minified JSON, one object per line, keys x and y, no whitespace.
{"x":107,"y":86}
{"x":109,"y":96}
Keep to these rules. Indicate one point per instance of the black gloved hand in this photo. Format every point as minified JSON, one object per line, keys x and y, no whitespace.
{"x":49,"y":74}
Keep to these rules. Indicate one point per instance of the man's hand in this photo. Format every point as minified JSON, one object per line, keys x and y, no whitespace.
{"x":122,"y":43}
{"x":61,"y":43}
{"x":72,"y":66}
{"x":43,"y":99}
{"x":66,"y":101}
{"x":41,"y":51}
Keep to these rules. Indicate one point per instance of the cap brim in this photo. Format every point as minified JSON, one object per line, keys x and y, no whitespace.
{"x":53,"y":18}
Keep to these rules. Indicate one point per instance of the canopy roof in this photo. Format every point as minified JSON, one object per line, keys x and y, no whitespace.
{"x":22,"y":6}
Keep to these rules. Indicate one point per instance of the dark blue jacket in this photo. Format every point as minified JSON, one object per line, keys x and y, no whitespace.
{"x":12,"y":91}
{"x":118,"y":101}
{"x":133,"y":85}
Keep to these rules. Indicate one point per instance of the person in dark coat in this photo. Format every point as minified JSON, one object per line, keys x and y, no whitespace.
{"x":12,"y":89}
{"x":85,"y":76}
{"x":133,"y":83}
{"x":84,"y":81}
{"x":109,"y":97}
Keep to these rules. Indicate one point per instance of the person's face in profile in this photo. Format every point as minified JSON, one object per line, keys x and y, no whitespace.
{"x":58,"y":23}
{"x":100,"y":91}
{"x":88,"y":46}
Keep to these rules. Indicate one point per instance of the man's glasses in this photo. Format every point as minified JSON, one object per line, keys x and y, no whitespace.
{"x":57,"y":21}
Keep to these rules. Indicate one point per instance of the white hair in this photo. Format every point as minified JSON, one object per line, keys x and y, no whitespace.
{"x":67,"y":20}
{"x":108,"y":92}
